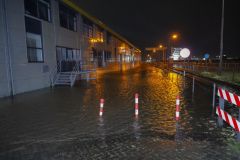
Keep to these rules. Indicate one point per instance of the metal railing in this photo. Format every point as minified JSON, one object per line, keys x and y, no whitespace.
{"x":53,"y":75}
{"x":230,"y":71}
{"x":74,"y":73}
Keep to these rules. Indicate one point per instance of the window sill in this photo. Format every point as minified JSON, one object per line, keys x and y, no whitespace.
{"x":39,"y":62}
{"x":36,"y":18}
{"x":68,"y":29}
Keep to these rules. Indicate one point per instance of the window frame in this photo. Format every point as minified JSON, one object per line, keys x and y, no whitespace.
{"x":38,"y":12}
{"x":66,"y":53}
{"x":68,"y":12}
{"x":36,"y":48}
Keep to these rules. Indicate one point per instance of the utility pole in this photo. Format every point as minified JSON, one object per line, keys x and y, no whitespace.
{"x":221,"y":41}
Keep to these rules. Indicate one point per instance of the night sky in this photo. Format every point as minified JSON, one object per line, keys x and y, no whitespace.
{"x":148,"y":23}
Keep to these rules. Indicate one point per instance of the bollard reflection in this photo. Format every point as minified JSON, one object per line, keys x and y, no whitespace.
{"x":136,"y":128}
{"x":178,"y":135}
{"x":101,"y":128}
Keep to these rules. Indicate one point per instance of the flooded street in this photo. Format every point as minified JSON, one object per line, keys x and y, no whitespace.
{"x":63,"y":123}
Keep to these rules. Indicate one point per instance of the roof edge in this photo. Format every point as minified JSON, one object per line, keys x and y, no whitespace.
{"x":97,"y":21}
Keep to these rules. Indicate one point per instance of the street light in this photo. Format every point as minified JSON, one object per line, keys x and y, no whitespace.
{"x":174,"y":36}
{"x":163,"y":48}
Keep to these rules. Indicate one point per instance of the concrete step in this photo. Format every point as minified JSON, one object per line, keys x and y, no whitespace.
{"x":64,"y":78}
{"x":61,"y":83}
{"x":64,"y":75}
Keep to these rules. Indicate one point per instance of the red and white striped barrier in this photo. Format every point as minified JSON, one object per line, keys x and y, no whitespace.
{"x":177,"y":108}
{"x":230,"y":97}
{"x":136,"y":104}
{"x":101,"y":107}
{"x":228,"y":118}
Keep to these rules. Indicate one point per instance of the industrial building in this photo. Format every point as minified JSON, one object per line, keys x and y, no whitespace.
{"x":39,"y":39}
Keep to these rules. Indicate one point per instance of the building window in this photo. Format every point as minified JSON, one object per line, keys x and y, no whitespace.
{"x":38,"y":8}
{"x":68,"y":17}
{"x":34,"y":40}
{"x":88,"y":31}
{"x":68,"y":54}
{"x":108,"y":38}
{"x":99,"y":36}
{"x":87,"y":28}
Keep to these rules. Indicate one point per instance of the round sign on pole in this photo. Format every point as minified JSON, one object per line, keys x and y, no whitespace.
{"x":184,"y":53}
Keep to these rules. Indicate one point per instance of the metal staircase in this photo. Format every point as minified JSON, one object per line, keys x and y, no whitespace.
{"x":63,"y":78}
{"x":79,"y":71}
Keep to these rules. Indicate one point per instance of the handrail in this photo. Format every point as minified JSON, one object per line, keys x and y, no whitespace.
{"x":53,"y":75}
{"x":74,"y":72}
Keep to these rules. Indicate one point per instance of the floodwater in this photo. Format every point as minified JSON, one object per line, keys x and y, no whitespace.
{"x":63,"y":123}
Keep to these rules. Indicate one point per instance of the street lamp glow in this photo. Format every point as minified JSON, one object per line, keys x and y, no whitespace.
{"x":184,"y":53}
{"x":161,"y":46}
{"x":174,"y":36}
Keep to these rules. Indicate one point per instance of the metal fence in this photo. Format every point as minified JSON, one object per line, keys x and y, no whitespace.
{"x":230,"y":71}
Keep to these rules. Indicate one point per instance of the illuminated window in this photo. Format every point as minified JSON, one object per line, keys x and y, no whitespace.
{"x":100,"y":36}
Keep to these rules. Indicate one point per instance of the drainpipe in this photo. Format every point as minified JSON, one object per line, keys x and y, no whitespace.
{"x":8,"y":51}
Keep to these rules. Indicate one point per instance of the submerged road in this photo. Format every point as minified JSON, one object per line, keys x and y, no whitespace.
{"x":63,"y":123}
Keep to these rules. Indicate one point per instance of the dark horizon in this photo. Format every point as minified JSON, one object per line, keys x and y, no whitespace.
{"x":148,"y":23}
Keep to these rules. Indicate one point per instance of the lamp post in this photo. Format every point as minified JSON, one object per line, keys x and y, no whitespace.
{"x":221,"y":42}
{"x":163,"y":49}
{"x":173,"y":37}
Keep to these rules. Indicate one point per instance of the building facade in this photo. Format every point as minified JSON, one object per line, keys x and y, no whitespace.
{"x":38,"y":36}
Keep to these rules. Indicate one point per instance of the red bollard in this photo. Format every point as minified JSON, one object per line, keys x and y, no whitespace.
{"x":177,"y":108}
{"x":101,"y":107}
{"x":136,"y":104}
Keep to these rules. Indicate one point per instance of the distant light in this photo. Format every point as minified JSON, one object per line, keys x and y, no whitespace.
{"x":174,"y":36}
{"x":185,"y":53}
{"x":161,"y":46}
{"x":206,"y":56}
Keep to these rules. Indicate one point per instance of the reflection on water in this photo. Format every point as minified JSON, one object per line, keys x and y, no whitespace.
{"x":136,"y":128}
{"x":69,"y":118}
{"x":101,"y":128}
